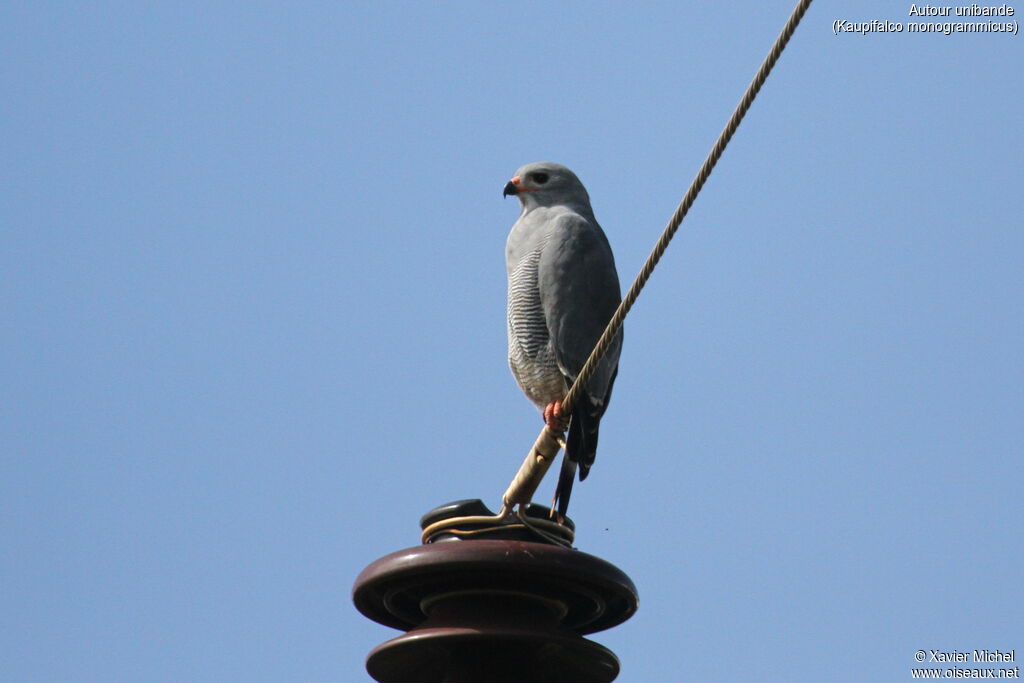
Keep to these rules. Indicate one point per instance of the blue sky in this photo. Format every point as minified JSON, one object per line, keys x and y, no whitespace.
{"x":252,"y":279}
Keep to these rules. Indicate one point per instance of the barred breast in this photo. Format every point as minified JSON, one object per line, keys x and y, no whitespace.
{"x":530,"y":354}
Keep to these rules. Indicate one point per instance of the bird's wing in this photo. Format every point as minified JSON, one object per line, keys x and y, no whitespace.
{"x":579,"y":291}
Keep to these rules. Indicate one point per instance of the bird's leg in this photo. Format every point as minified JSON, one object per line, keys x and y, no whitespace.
{"x":553,"y":417}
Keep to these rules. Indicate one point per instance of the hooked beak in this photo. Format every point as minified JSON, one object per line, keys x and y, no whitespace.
{"x":511,"y":187}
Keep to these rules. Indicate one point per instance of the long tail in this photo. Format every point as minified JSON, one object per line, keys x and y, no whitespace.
{"x":581,"y":444}
{"x":580,"y":451}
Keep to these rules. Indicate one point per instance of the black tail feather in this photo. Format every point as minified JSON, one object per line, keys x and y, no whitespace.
{"x":588,"y":450}
{"x":566,"y":478}
{"x":580,"y":451}
{"x":581,"y":443}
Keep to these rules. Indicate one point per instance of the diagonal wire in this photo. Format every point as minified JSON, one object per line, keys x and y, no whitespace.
{"x":540,"y":456}
{"x":615,"y":324}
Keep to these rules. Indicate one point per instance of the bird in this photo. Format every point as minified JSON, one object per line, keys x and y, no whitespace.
{"x":562,"y":290}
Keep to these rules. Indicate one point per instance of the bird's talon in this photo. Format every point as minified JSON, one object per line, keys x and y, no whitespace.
{"x":553,"y":416}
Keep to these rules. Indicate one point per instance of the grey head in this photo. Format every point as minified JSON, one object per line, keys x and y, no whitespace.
{"x":545,"y":183}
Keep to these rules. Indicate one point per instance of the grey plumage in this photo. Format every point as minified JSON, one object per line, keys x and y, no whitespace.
{"x":562,"y":290}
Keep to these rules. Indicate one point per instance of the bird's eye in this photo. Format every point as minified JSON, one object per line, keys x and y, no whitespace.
{"x":540,"y":178}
